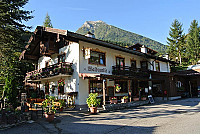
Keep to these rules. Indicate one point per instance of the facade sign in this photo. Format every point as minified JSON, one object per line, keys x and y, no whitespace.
{"x":87,"y":53}
{"x":96,"y":69}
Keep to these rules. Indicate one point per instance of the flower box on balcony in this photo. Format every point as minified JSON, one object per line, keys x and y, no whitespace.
{"x":56,"y":71}
{"x":43,"y":74}
{"x":38,"y":76}
{"x":33,"y":77}
{"x":67,"y":69}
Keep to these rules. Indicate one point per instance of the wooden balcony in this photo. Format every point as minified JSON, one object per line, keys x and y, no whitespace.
{"x":63,"y":68}
{"x":130,"y":71}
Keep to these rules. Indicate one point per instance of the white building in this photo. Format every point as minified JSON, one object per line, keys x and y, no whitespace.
{"x":68,"y":62}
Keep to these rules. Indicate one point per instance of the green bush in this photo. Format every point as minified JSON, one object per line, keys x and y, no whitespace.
{"x":92,"y":100}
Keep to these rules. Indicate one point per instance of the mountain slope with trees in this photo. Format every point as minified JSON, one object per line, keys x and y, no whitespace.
{"x":119,"y":36}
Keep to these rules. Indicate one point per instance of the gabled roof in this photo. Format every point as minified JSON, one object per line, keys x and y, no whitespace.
{"x":77,"y":37}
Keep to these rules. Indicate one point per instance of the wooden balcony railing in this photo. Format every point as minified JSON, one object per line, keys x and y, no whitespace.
{"x":52,"y":70}
{"x":130,"y":71}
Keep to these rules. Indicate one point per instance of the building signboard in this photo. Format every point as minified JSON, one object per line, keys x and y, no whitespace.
{"x":87,"y":53}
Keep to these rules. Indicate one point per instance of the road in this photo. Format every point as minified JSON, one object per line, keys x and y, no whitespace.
{"x":173,"y":117}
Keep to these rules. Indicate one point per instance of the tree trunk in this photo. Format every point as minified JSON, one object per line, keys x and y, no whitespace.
{"x":180,"y":58}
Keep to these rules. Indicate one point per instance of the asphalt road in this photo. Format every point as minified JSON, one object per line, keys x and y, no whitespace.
{"x":174,"y":117}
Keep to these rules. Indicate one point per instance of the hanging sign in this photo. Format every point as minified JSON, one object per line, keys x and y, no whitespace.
{"x":87,"y":53}
{"x":117,"y":88}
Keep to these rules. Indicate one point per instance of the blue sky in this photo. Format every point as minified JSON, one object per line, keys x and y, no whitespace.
{"x":150,"y":18}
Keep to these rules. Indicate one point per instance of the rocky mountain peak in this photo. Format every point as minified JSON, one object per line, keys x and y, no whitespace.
{"x":90,"y":24}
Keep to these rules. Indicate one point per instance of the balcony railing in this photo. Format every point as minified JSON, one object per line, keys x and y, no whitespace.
{"x":52,"y":70}
{"x":130,"y":71}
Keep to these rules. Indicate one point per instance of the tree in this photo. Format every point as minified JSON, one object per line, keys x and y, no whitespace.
{"x":193,"y":43}
{"x":176,"y":41}
{"x":47,"y":21}
{"x":11,"y":44}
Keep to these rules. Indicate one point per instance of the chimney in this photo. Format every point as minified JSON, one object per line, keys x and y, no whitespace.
{"x":143,"y":49}
{"x":89,"y":34}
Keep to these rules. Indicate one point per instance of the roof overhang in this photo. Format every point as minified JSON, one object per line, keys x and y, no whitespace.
{"x":71,"y":35}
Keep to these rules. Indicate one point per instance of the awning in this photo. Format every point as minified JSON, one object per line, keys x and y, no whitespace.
{"x":113,"y":77}
{"x":89,"y":75}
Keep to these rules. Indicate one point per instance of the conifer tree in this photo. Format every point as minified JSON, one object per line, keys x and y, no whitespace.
{"x":11,"y":43}
{"x":176,"y":41}
{"x":193,"y":43}
{"x":47,"y":21}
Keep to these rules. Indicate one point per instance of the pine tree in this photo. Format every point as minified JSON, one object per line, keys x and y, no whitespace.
{"x":11,"y":31}
{"x":47,"y":21}
{"x":193,"y":43}
{"x":176,"y":41}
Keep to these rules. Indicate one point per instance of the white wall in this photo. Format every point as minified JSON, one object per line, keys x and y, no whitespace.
{"x":42,"y":60}
{"x":110,"y":55}
{"x":71,"y":82}
{"x":110,"y":58}
{"x":72,"y":56}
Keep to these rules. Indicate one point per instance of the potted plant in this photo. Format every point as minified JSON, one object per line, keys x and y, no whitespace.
{"x":113,"y":100}
{"x":49,"y":108}
{"x":61,"y":83}
{"x":143,"y":98}
{"x":93,"y":102}
{"x":124,"y":99}
{"x":135,"y":98}
{"x":62,"y":104}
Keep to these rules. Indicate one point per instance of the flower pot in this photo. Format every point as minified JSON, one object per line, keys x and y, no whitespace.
{"x":113,"y":101}
{"x":93,"y":110}
{"x":143,"y":98}
{"x":124,"y":100}
{"x":136,"y":99}
{"x":49,"y":117}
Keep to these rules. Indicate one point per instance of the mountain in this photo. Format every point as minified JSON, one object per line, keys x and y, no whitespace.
{"x":113,"y":34}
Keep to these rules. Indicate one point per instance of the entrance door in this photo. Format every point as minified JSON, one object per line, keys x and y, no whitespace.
{"x":194,"y":88}
{"x":110,"y":91}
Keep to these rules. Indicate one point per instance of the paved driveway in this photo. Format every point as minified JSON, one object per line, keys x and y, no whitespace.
{"x":181,"y":116}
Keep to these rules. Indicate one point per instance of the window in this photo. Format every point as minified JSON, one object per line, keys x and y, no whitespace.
{"x":120,"y":63}
{"x":133,"y":63}
{"x":96,"y":86}
{"x":46,"y":88}
{"x":46,"y":63}
{"x":97,"y":58}
{"x":61,"y":84}
{"x":123,"y":86}
{"x":144,"y":65}
{"x":61,"y":58}
{"x":157,"y":66}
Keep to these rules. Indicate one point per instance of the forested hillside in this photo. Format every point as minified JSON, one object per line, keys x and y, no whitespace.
{"x":113,"y":34}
